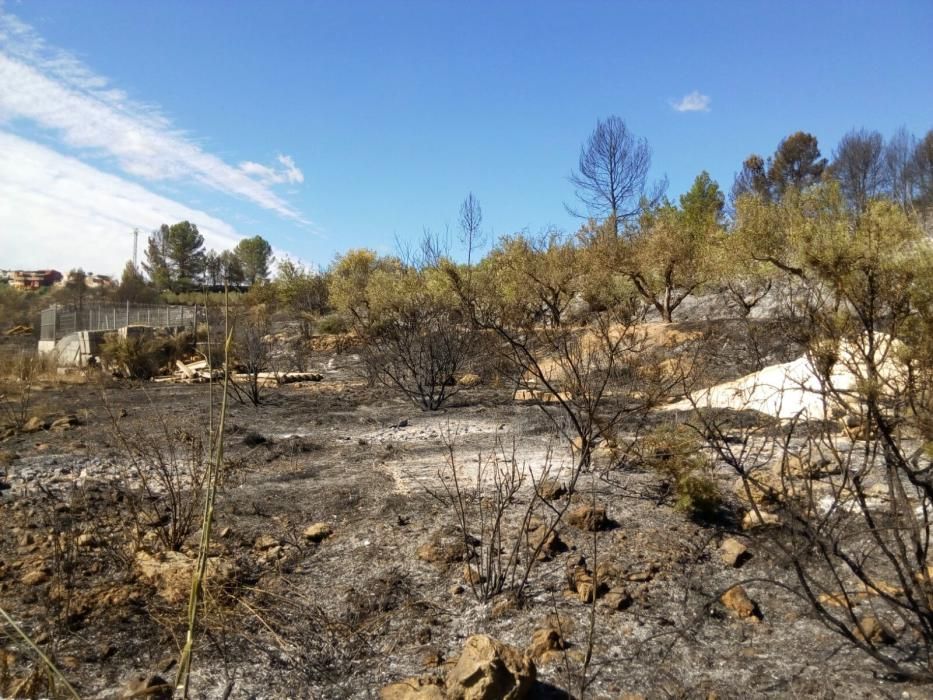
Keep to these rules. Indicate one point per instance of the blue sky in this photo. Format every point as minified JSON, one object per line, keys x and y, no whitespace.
{"x":324,"y":126}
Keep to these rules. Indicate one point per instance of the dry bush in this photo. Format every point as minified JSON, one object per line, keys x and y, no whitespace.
{"x":170,"y":465}
{"x":496,"y":508}
{"x":22,"y":371}
{"x":144,"y":355}
{"x":253,"y":354}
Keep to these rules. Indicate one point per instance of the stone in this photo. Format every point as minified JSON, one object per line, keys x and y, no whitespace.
{"x":318,"y":532}
{"x":446,"y":546}
{"x":737,"y":600}
{"x":65,"y":422}
{"x":766,"y":488}
{"x":873,"y":631}
{"x":472,"y":576}
{"x":544,"y":642}
{"x":617,"y":600}
{"x":752,"y":520}
{"x":35,"y":577}
{"x":87,"y":540}
{"x":588,"y":517}
{"x":469,"y":380}
{"x":490,"y":670}
{"x":550,"y":544}
{"x":804,"y":467}
{"x":551,"y":489}
{"x":264,"y":542}
{"x":170,"y":573}
{"x":34,"y":425}
{"x":413,"y":689}
{"x":151,"y":687}
{"x":733,"y":553}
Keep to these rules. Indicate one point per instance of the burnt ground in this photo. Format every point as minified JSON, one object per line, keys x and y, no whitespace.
{"x":360,"y":609}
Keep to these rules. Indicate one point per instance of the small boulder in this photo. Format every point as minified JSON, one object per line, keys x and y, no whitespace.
{"x":413,"y":689}
{"x":149,"y":687}
{"x":870,"y":629}
{"x":170,"y":573}
{"x":752,"y":520}
{"x":318,"y":532}
{"x":34,"y":425}
{"x":617,"y":600}
{"x":265,"y":542}
{"x":737,"y":600}
{"x":490,"y":670}
{"x":547,"y":544}
{"x":469,"y":380}
{"x":588,"y":517}
{"x":551,"y":489}
{"x":733,"y":553}
{"x":65,"y":422}
{"x":546,"y":642}
{"x":35,"y":577}
{"x":446,"y":546}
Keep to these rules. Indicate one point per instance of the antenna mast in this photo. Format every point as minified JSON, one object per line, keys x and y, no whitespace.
{"x":135,"y":245}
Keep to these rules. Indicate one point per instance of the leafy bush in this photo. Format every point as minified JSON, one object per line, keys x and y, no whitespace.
{"x":673,"y":451}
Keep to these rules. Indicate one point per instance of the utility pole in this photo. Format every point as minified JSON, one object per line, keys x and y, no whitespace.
{"x":135,"y":246}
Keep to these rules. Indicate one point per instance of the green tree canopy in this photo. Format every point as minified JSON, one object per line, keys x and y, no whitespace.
{"x":255,"y":257}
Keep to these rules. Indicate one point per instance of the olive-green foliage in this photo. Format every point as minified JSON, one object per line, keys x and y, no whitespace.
{"x":533,"y":278}
{"x":349,"y":282}
{"x":674,"y":452}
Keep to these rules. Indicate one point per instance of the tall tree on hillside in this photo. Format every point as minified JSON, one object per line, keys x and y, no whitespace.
{"x":923,"y":171}
{"x":186,"y":253}
{"x":859,"y":166}
{"x":796,"y":163}
{"x":76,"y":288}
{"x":752,"y":179}
{"x":231,"y":269}
{"x":156,"y":264}
{"x":471,"y":219}
{"x":255,"y":256}
{"x":175,"y":256}
{"x":900,"y":167}
{"x":133,"y":287}
{"x":612,"y":173}
{"x":702,"y":205}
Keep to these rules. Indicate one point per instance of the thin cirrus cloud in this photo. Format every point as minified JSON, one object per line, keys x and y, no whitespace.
{"x":53,"y":90}
{"x":56,"y":211}
{"x":695,"y":101}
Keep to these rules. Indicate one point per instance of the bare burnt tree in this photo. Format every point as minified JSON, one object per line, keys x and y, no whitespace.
{"x":858,"y":164}
{"x":612,"y":173}
{"x":471,"y":219}
{"x":420,"y":352}
{"x":253,"y":349}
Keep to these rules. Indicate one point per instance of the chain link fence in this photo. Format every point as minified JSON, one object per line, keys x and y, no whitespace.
{"x":57,"y":321}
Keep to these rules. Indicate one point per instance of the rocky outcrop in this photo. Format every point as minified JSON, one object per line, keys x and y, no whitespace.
{"x":490,"y":670}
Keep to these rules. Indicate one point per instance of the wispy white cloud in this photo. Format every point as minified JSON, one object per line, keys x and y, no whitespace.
{"x":695,"y":101}
{"x":288,"y":173}
{"x":54,"y":90}
{"x":56,"y":211}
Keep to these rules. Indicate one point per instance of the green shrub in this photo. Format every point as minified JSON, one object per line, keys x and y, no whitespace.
{"x":674,"y":452}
